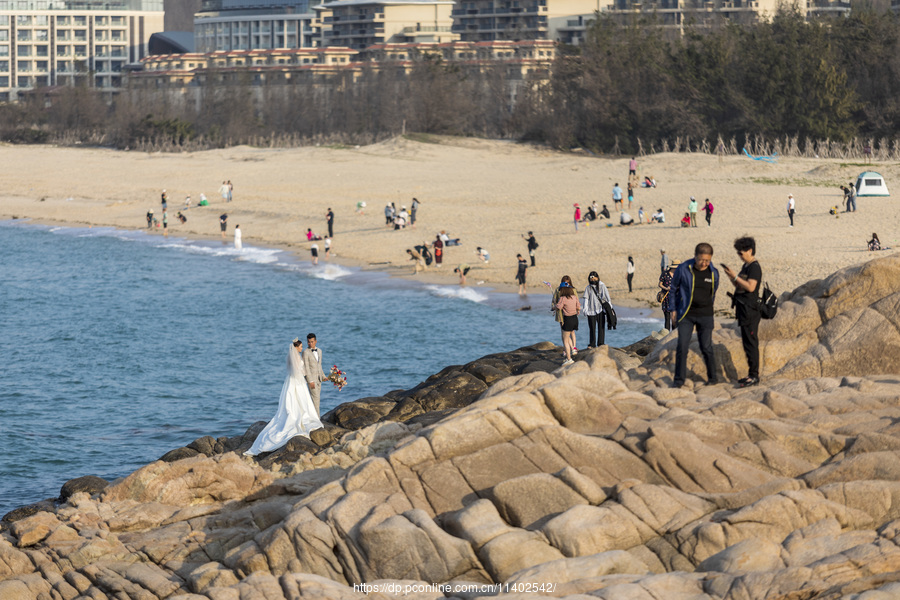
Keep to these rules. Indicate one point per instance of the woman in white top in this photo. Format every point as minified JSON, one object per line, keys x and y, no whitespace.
{"x":595,"y":294}
{"x":629,"y":272}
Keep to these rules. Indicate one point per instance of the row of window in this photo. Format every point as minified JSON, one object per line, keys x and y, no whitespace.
{"x":249,"y":27}
{"x":79,"y":35}
{"x":27,"y":81}
{"x":42,"y":66}
{"x":61,"y":21}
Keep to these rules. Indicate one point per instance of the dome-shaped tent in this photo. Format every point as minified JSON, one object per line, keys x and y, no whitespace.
{"x":871,"y":183}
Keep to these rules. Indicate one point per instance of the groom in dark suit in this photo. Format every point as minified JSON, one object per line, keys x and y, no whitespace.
{"x":312,"y":361}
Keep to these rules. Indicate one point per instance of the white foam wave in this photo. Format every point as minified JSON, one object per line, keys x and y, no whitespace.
{"x":640,"y":319}
{"x":456,"y":292}
{"x":248,"y":253}
{"x":330,"y":272}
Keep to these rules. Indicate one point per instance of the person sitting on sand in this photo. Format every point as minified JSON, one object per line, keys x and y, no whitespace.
{"x":625,"y":218}
{"x":874,"y":243}
{"x":187,"y":202}
{"x":686,"y":220}
{"x":604,"y":212}
{"x":181,"y":217}
{"x":483,"y":254}
{"x":310,"y":236}
{"x":658,"y":217}
{"x":448,"y":241}
{"x":648,"y":182}
{"x":399,"y":222}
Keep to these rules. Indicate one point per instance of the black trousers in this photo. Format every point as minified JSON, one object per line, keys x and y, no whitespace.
{"x":748,"y":321}
{"x":704,"y":327}
{"x":667,"y":316}
{"x":597,"y":329}
{"x":630,"y":277}
{"x":330,"y":229}
{"x":791,"y":215}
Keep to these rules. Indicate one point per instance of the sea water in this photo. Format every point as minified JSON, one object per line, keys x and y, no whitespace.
{"x":118,"y":346}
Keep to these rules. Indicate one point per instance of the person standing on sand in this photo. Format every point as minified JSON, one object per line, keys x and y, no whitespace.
{"x":664,"y":261}
{"x":223,"y":223}
{"x":438,"y":246}
{"x":223,"y":191}
{"x":692,"y":211}
{"x":790,"y":209}
{"x":329,"y":218}
{"x":165,"y":224}
{"x":412,"y":213}
{"x":463,"y":270}
{"x":149,"y":218}
{"x":630,"y":195}
{"x":327,"y":248}
{"x":532,"y":245}
{"x":629,"y":272}
{"x":520,"y":273}
{"x":230,"y":191}
{"x":164,"y":200}
{"x":851,"y":199}
{"x":388,"y":215}
{"x":632,"y":169}
{"x":238,"y":244}
{"x":708,"y":209}
{"x":577,"y":216}
{"x":694,"y":285}
{"x":617,"y":196}
{"x":746,"y":305}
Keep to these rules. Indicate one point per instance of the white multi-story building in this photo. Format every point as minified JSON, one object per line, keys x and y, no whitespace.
{"x":227,"y":25}
{"x":50,"y":43}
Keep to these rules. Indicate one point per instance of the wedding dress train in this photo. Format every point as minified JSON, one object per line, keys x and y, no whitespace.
{"x":296,"y":412}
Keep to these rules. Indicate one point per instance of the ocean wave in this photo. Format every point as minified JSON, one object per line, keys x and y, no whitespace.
{"x":330,"y":272}
{"x":640,"y":319}
{"x":456,"y":292}
{"x":261,"y":256}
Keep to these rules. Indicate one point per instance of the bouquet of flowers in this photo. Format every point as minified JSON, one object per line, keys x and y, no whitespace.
{"x":337,"y":377}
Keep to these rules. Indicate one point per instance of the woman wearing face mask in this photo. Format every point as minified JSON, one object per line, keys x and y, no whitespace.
{"x":595,"y":294}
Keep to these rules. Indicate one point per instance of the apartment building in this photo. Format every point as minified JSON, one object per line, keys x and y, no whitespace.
{"x":55,"y":43}
{"x":226,"y":25}
{"x":361,"y":23}
{"x":489,"y":20}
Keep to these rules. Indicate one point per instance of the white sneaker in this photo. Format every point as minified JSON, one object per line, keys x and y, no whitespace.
{"x":574,"y":351}
{"x":568,"y":361}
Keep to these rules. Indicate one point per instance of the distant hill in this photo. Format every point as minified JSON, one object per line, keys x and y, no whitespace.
{"x":180,"y":14}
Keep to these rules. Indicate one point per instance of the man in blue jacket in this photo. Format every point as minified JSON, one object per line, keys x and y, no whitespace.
{"x":694,"y":284}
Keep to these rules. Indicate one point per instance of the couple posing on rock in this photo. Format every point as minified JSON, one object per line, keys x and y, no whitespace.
{"x":694,"y":286}
{"x":298,"y":407}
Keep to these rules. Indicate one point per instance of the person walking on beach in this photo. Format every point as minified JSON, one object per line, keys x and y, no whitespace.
{"x":664,"y":261}
{"x":569,"y":307}
{"x":692,"y":211}
{"x":666,"y":297}
{"x":388,"y":215}
{"x":790,"y":209}
{"x":595,"y":294}
{"x":577,"y":216}
{"x":694,"y":284}
{"x":438,"y":246}
{"x":329,"y":218}
{"x":462,"y":270}
{"x":746,"y":304}
{"x":223,"y":191}
{"x":851,"y":198}
{"x":630,"y":195}
{"x":327,"y":248}
{"x":238,"y":244}
{"x":164,"y":200}
{"x":520,"y":273}
{"x":313,"y":361}
{"x":230,"y":191}
{"x":223,"y":223}
{"x":420,"y":262}
{"x":708,"y":209}
{"x":412,"y":212}
{"x":165,"y":223}
{"x":314,"y":253}
{"x":629,"y":272}
{"x":149,"y":218}
{"x":617,"y":196}
{"x":532,"y":245}
{"x":632,"y":169}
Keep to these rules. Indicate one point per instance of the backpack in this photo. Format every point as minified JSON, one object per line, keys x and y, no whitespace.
{"x":768,"y":303}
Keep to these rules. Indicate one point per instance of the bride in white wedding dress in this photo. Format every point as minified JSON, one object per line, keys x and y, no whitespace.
{"x":296,"y":412}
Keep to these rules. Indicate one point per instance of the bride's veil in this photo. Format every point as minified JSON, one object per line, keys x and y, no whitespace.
{"x":295,"y":362}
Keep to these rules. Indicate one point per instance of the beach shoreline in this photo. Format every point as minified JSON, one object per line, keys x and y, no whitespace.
{"x":489,"y":193}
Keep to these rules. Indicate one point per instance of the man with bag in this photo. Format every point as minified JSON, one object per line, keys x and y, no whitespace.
{"x":746,"y":304}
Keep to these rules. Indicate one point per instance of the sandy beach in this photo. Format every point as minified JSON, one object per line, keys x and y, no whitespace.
{"x":488,"y":193}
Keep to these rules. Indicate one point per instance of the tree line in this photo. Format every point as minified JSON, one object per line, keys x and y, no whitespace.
{"x":828,"y":86}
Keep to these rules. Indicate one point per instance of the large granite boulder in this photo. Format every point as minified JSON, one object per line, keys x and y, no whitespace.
{"x":593,"y":480}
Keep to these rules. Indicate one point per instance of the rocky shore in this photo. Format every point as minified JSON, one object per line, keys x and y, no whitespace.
{"x":594,"y":480}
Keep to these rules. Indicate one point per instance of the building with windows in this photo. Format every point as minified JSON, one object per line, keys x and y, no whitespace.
{"x":362,"y":23}
{"x":226,"y":25}
{"x":54,"y":43}
{"x":490,"y":20}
